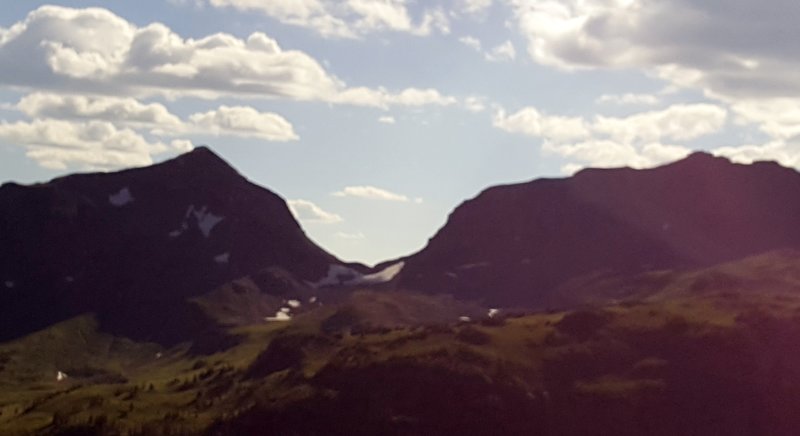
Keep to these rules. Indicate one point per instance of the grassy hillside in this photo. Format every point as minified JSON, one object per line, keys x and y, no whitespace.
{"x":716,"y":358}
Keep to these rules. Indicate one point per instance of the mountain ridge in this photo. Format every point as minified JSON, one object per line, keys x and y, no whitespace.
{"x":513,"y":244}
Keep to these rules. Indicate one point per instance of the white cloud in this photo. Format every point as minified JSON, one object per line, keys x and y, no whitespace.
{"x":306,"y":211}
{"x":474,"y":104}
{"x":779,"y":118}
{"x":471,"y":42}
{"x":386,"y":119}
{"x":629,"y":99}
{"x":244,"y":121}
{"x":58,"y":144}
{"x":345,"y":18}
{"x":678,"y":122}
{"x":501,"y":53}
{"x":81,"y":107}
{"x":531,"y":122}
{"x":93,"y":51}
{"x":732,"y":48}
{"x":635,"y":140}
{"x":473,"y":7}
{"x":99,"y":132}
{"x":371,"y":193}
{"x":240,"y":121}
{"x":380,"y":97}
{"x":779,"y":151}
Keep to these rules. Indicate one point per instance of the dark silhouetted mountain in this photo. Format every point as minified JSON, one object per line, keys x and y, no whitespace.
{"x":132,"y":246}
{"x":516,"y":244}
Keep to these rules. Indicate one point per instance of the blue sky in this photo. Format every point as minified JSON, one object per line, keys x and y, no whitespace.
{"x":375,"y":118}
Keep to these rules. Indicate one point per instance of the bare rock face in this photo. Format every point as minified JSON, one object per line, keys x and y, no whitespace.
{"x":134,"y":246}
{"x":516,"y":244}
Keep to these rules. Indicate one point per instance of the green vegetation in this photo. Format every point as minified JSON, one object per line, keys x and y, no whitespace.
{"x":723,"y":359}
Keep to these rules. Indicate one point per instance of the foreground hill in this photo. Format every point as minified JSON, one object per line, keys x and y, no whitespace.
{"x":685,"y":359}
{"x":134,"y":246}
{"x":517,"y":244}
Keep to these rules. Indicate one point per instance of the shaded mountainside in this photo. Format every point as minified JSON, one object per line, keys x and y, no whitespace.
{"x":516,"y":244}
{"x":132,"y":246}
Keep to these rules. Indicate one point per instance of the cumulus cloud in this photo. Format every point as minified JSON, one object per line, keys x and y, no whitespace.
{"x":785,"y":153}
{"x":779,"y":118}
{"x":738,"y":52}
{"x":61,"y":121}
{"x":243,"y":121}
{"x":732,"y":48}
{"x":371,"y":193}
{"x":81,"y":107}
{"x":94,"y":51}
{"x":677,"y":122}
{"x":57,"y":144}
{"x":531,"y":122}
{"x":306,"y":211}
{"x":346,"y":19}
{"x":636,"y":140}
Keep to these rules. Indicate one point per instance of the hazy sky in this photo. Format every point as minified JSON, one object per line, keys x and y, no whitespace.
{"x":375,"y":118}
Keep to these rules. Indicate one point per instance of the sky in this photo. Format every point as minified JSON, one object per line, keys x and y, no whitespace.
{"x":375,"y":118}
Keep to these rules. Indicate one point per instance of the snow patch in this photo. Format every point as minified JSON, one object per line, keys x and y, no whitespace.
{"x":9,"y":284}
{"x":279,"y":316}
{"x":312,"y":300}
{"x":285,"y":310}
{"x":222,"y":258}
{"x":464,"y":319}
{"x":381,"y":276}
{"x":121,"y":198}
{"x":205,"y":220}
{"x":176,"y":233}
{"x":340,"y":275}
{"x":337,"y":275}
{"x":492,"y":313}
{"x":294,"y":304}
{"x":61,"y":376}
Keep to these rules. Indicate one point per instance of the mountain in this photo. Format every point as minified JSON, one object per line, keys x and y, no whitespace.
{"x":517,"y":244}
{"x":672,"y":327}
{"x":134,"y":246}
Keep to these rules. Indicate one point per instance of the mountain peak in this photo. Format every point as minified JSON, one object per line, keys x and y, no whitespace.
{"x":202,"y":156}
{"x":703,"y":158}
{"x":199,"y":163}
